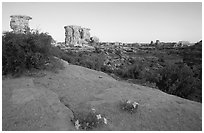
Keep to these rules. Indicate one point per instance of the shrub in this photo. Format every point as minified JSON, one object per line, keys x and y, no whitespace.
{"x":88,"y":120}
{"x":150,"y":76}
{"x":129,"y":106}
{"x":177,"y":80}
{"x":85,"y":59}
{"x":97,"y":49}
{"x":106,"y":69}
{"x":56,"y":51}
{"x":24,"y":51}
{"x":133,"y":71}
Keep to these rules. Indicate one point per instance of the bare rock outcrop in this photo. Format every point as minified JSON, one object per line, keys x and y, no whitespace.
{"x":20,"y":23}
{"x":76,"y":35}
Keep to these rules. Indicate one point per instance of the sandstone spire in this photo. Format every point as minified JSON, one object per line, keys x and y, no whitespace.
{"x":20,"y":23}
{"x":76,"y":35}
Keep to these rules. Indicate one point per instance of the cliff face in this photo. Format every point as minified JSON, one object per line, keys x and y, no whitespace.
{"x":76,"y":35}
{"x":20,"y":23}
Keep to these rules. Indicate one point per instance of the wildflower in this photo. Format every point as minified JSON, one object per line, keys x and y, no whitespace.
{"x":98,"y":116}
{"x":77,"y":125}
{"x":128,"y":101}
{"x":135,"y":104}
{"x":94,"y":110}
{"x":105,"y":120}
{"x":47,"y":64}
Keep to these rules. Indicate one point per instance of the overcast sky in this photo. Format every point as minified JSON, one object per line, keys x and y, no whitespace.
{"x":124,"y":22}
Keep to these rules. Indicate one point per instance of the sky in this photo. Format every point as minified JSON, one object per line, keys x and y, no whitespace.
{"x":113,"y":22}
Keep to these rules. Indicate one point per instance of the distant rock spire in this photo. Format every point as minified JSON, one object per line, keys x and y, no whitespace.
{"x":76,"y":35}
{"x":20,"y":23}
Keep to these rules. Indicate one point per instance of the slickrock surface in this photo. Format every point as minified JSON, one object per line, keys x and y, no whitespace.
{"x":46,"y":103}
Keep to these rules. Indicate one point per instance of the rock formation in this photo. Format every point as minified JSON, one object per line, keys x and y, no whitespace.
{"x":94,"y":39}
{"x":20,"y":23}
{"x":76,"y":35}
{"x":157,"y":42}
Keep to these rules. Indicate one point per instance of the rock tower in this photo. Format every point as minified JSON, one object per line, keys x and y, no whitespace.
{"x":20,"y":23}
{"x":76,"y":35}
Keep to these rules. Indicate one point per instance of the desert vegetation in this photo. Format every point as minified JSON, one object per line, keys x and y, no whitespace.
{"x":171,"y":70}
{"x":175,"y":71}
{"x":26,"y":52}
{"x":89,"y":120}
{"x":128,"y":106}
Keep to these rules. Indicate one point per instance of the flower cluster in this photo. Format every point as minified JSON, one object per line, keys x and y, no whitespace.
{"x":89,"y":120}
{"x":129,"y":106}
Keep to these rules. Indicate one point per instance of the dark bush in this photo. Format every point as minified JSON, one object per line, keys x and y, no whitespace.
{"x":133,"y":71}
{"x":177,"y":80}
{"x":62,"y":54}
{"x":24,"y":51}
{"x":106,"y":69}
{"x":56,"y":51}
{"x":85,"y":59}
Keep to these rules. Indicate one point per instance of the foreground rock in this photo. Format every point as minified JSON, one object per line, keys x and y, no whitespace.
{"x":48,"y":103}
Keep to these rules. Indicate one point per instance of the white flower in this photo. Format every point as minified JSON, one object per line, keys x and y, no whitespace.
{"x":128,"y":101}
{"x":105,"y":120}
{"x":135,"y":104}
{"x":77,"y":125}
{"x":98,"y":116}
{"x":94,"y":110}
{"x":47,"y":64}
